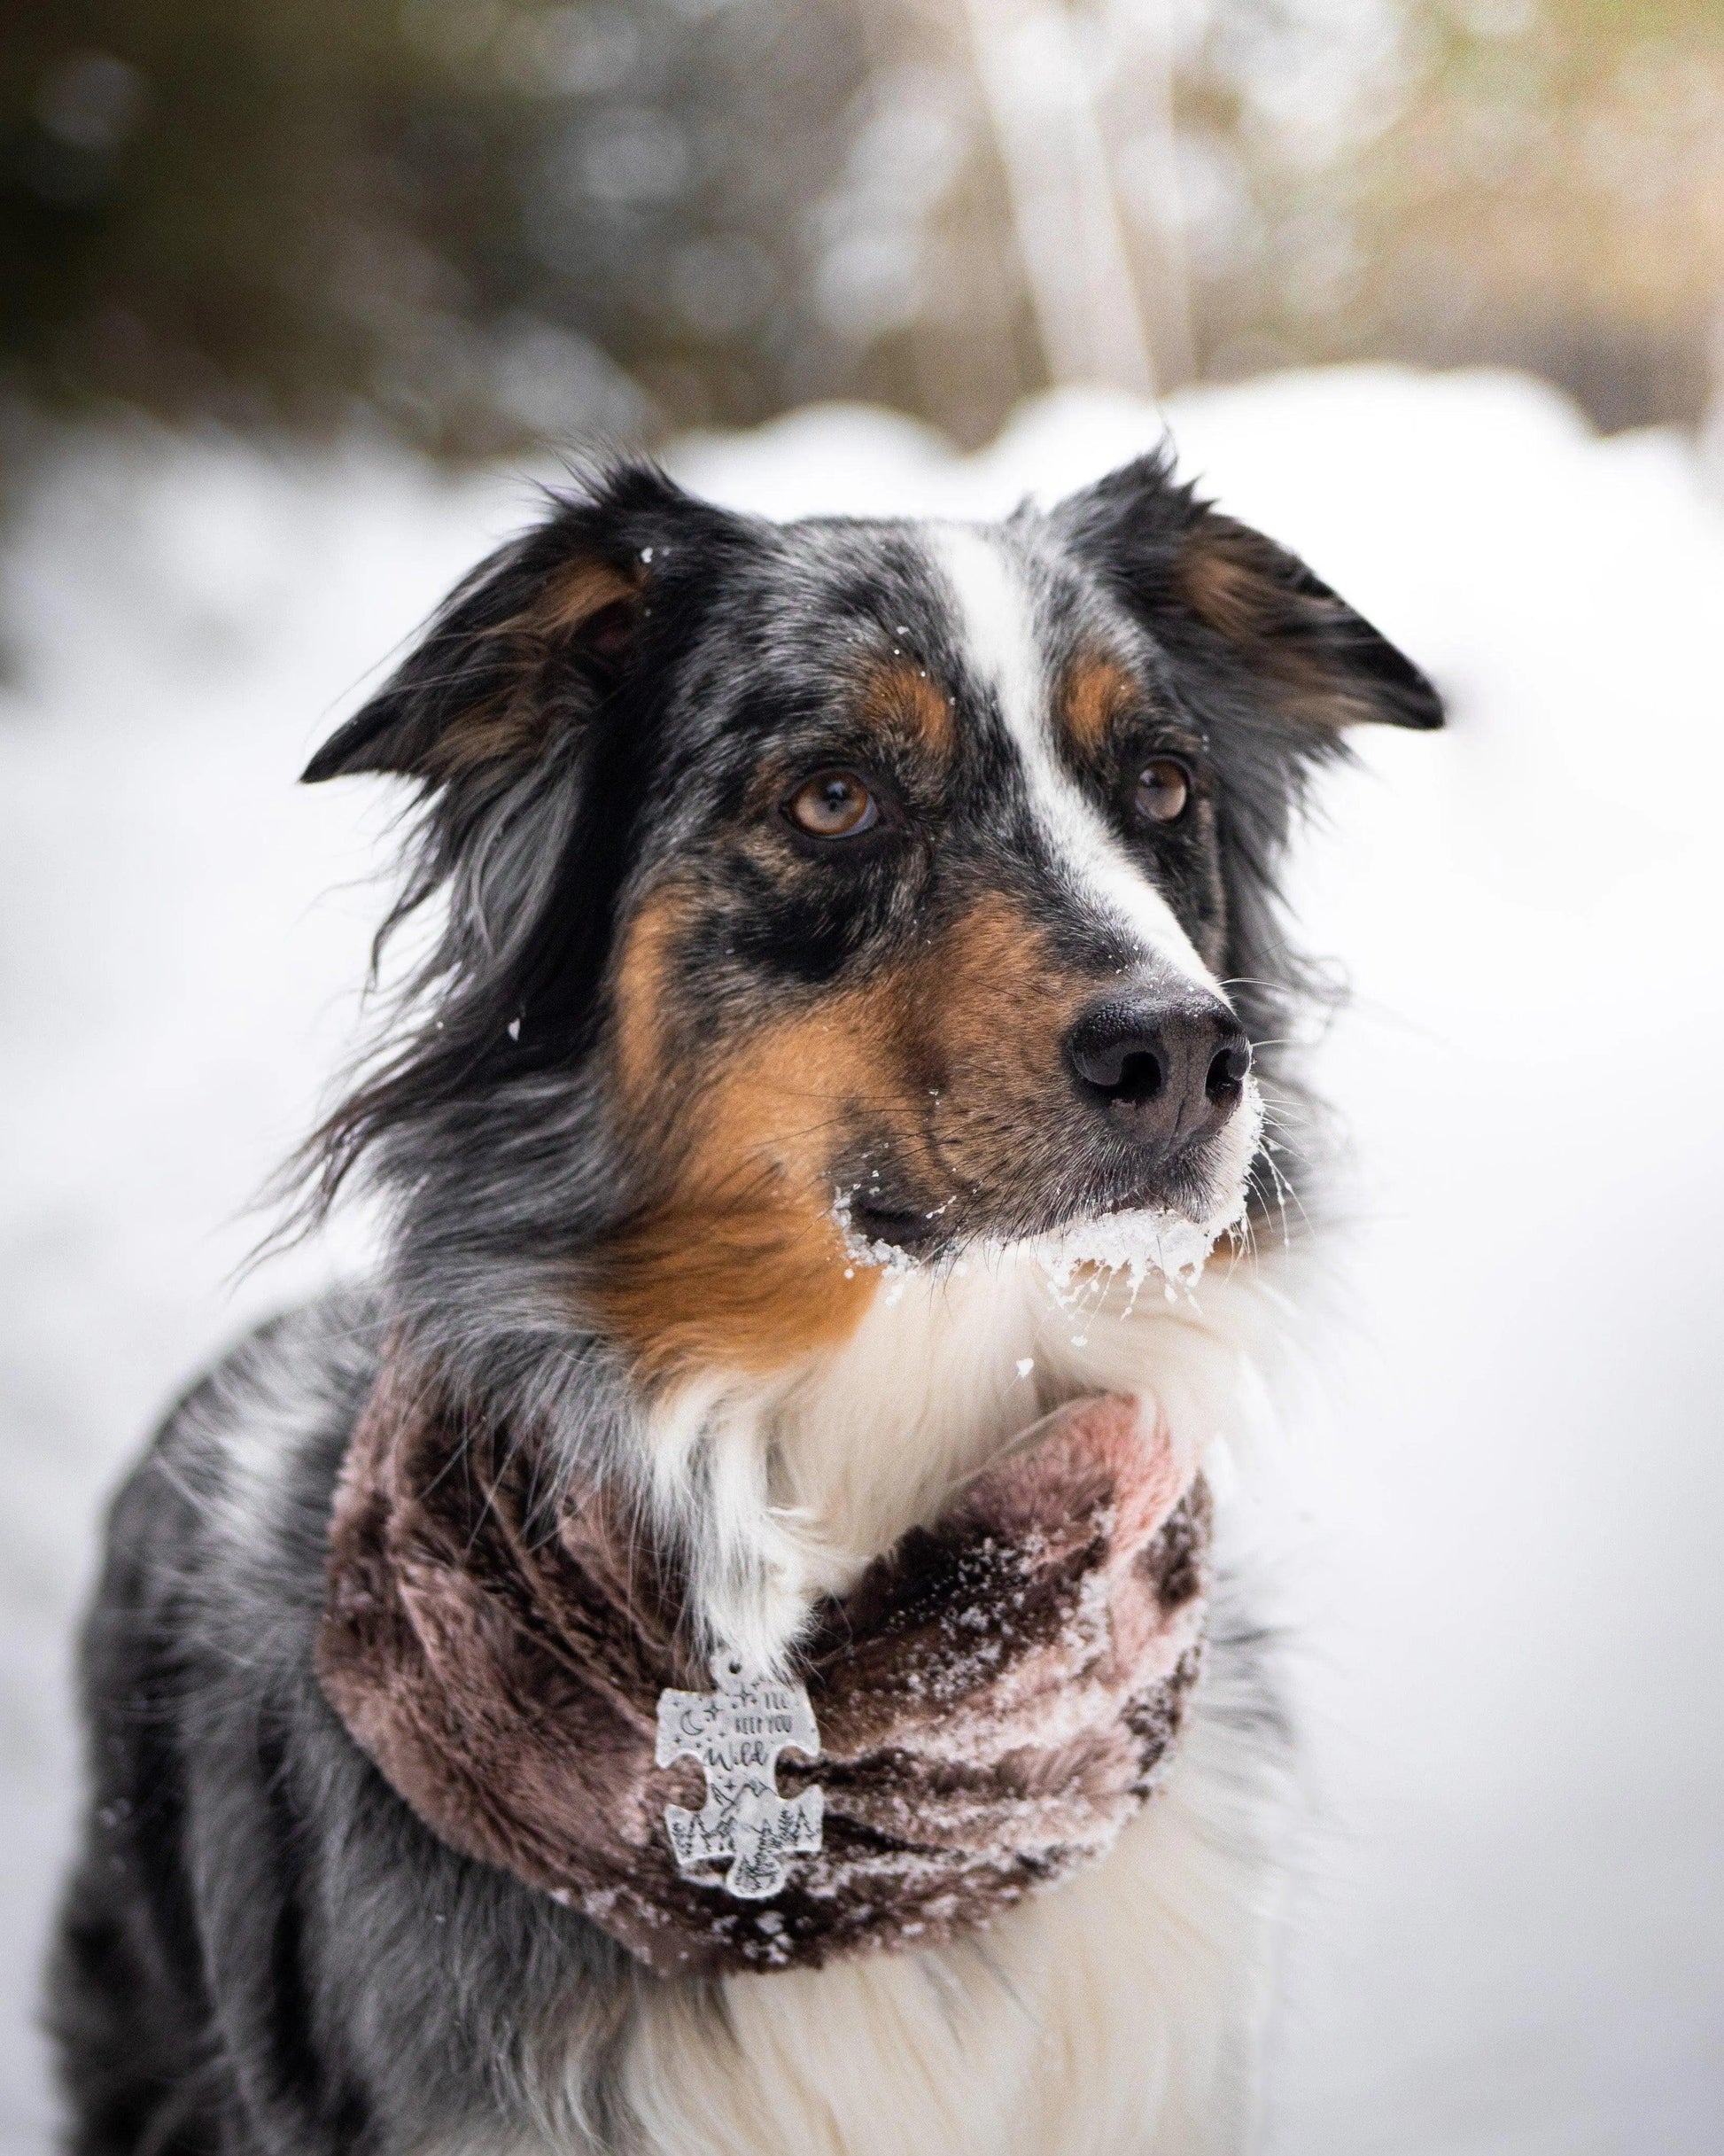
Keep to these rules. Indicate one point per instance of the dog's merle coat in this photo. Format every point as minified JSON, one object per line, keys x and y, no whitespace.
{"x":663,"y":1022}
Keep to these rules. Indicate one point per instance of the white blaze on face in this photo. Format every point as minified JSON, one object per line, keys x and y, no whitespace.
{"x":996,"y":630}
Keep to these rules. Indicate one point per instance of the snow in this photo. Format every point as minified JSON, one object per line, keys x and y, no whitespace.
{"x":1135,"y":1244}
{"x":1509,"y":1937}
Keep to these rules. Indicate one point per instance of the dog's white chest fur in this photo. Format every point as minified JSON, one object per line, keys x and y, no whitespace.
{"x":1111,"y":2016}
{"x":785,"y":1489}
{"x":1114,"y":2014}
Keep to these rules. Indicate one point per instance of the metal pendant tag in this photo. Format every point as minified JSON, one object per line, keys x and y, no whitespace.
{"x":737,"y":1733}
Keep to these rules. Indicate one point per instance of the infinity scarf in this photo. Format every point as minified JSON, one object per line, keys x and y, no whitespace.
{"x":995,"y":1698}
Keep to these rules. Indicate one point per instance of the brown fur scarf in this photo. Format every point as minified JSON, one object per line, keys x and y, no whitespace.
{"x":995,"y":1697}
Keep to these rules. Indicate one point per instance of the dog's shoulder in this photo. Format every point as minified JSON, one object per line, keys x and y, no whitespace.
{"x":223,"y":1520}
{"x":207,"y":1946}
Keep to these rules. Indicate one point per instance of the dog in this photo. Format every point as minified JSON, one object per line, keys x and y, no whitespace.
{"x":831,"y":936}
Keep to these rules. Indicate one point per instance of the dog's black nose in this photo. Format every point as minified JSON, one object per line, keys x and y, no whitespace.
{"x":1165,"y":1074}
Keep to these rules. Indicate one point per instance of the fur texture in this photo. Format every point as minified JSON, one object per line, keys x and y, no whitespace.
{"x":830,"y":923}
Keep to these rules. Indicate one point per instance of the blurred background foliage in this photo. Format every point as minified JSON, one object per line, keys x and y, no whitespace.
{"x":477,"y":223}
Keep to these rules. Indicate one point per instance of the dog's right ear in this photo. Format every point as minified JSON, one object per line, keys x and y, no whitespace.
{"x":524,"y":646}
{"x":1204,"y":579}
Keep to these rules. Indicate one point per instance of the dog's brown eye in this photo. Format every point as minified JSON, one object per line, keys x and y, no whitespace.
{"x":833,"y":804}
{"x":1163,"y":788}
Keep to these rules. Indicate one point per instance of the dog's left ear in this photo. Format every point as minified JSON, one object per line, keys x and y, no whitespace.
{"x":1218,"y":588}
{"x":528,"y":643}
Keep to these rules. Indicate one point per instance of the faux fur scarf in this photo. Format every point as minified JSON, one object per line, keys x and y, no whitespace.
{"x":995,"y":1697}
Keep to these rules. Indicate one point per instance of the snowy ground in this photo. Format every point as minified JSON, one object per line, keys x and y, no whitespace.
{"x":1511,"y":1933}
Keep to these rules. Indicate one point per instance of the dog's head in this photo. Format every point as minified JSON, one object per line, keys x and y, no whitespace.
{"x":831,"y":890}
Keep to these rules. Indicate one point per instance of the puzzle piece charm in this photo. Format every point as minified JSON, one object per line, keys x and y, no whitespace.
{"x":737,"y":1733}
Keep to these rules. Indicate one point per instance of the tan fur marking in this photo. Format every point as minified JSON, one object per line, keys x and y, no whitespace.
{"x":737,"y":1290}
{"x":514,"y":727}
{"x":990,"y":1009}
{"x":1226,"y":577}
{"x":638,"y":992}
{"x":738,"y":1264}
{"x":741,"y":1264}
{"x":1221,"y":589}
{"x":1097,"y":692}
{"x":903,"y":701}
{"x":510,"y":731}
{"x":587,"y":589}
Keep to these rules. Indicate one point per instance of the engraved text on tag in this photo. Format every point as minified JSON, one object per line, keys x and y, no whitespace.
{"x":737,"y":1733}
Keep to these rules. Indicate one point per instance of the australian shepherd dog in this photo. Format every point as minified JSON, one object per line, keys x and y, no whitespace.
{"x":818,"y":926}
